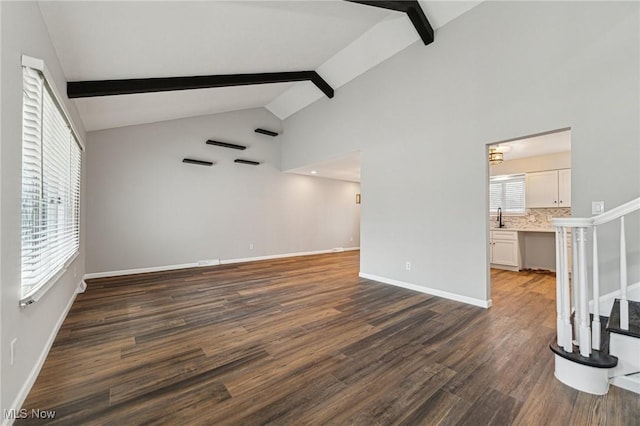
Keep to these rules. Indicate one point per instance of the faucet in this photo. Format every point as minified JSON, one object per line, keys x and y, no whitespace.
{"x":499,"y":218}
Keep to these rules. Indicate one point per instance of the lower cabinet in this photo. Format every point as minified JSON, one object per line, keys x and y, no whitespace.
{"x":505,"y":250}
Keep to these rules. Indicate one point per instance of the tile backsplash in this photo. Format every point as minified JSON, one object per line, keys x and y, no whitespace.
{"x":534,"y":218}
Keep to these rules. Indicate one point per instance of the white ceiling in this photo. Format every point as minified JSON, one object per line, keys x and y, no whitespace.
{"x":550,"y":143}
{"x":117,"y":40}
{"x":117,"y":111}
{"x":99,"y":40}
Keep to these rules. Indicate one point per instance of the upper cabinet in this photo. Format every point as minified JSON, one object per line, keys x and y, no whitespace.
{"x":549,"y":189}
{"x":564,"y":187}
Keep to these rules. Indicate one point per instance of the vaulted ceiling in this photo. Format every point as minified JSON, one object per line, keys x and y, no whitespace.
{"x":124,"y":40}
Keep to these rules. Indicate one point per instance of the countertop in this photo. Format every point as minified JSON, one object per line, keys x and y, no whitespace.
{"x":524,"y":229}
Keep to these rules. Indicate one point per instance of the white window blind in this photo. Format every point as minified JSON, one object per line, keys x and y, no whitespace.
{"x":508,"y":193}
{"x":51,"y":170}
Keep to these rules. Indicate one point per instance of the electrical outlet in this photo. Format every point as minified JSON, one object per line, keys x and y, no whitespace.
{"x":12,"y":347}
{"x":549,"y":218}
{"x":407,"y":265}
{"x":250,"y":246}
{"x":351,"y":239}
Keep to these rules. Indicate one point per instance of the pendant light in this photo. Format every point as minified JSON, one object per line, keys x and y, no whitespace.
{"x":495,"y":156}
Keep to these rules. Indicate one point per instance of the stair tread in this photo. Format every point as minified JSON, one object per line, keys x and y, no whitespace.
{"x":597,"y":359}
{"x":613,"y":324}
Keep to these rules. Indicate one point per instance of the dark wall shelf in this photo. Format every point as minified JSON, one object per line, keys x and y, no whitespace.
{"x":241,"y":161}
{"x":266,"y":132}
{"x":226,"y":145}
{"x":198,"y":162}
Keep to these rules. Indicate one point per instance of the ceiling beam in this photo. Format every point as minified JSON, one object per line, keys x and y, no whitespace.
{"x":413,"y":10}
{"x":88,"y":89}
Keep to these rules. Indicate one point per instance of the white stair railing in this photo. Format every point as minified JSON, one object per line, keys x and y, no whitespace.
{"x":596,"y":327}
{"x":624,"y":303}
{"x":563,"y":295}
{"x":572,"y":295}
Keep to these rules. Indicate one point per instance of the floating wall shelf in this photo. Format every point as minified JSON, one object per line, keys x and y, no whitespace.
{"x":266,"y":132}
{"x":226,"y":145}
{"x":240,"y":161}
{"x":198,"y":162}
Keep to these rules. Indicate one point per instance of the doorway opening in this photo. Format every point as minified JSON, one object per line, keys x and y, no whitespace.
{"x":347,"y":169}
{"x":529,"y":184}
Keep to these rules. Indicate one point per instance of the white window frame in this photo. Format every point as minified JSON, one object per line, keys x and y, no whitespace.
{"x":34,"y":294}
{"x":504,"y":178}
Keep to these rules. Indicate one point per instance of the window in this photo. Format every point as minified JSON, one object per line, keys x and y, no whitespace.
{"x":51,"y":166}
{"x":508,"y":193}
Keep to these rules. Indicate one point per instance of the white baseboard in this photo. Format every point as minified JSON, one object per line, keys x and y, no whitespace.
{"x":431,"y":291}
{"x":33,"y":375}
{"x":280,"y":256}
{"x":606,"y":300}
{"x":630,"y":383}
{"x":139,"y":270}
{"x":222,"y":262}
{"x":505,"y":267}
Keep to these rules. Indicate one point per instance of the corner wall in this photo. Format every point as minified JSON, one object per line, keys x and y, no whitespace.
{"x":24,"y":32}
{"x":422,"y":120}
{"x":148,"y":209}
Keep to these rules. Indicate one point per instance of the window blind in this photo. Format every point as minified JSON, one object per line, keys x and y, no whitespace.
{"x":51,"y":170}
{"x":508,"y":193}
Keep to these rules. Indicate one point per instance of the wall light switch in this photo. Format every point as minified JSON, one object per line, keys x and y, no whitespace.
{"x":597,"y":207}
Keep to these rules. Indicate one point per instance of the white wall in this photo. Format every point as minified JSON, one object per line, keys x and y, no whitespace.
{"x":23,"y":32}
{"x":147,"y":209}
{"x":423,"y":118}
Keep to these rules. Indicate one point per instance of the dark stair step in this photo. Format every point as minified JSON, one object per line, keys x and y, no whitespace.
{"x":597,"y":359}
{"x":613,"y":326}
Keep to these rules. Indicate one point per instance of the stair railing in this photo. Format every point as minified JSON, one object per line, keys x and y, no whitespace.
{"x":572,"y":295}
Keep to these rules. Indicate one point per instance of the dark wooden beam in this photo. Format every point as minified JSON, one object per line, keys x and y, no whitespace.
{"x":421,"y":23}
{"x":399,"y":6}
{"x":412,"y":9}
{"x":86,"y":89}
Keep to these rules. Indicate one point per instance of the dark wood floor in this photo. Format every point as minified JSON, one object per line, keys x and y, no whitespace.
{"x":305,"y":341}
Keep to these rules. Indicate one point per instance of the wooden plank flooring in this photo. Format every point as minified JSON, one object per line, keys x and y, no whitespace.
{"x":305,"y":341}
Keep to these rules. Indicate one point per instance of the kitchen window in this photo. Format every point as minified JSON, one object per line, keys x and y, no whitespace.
{"x":51,"y":170}
{"x":508,"y":193}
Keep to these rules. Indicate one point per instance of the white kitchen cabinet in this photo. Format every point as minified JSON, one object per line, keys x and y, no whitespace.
{"x":564,"y":188}
{"x":548,"y":189}
{"x":504,"y":248}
